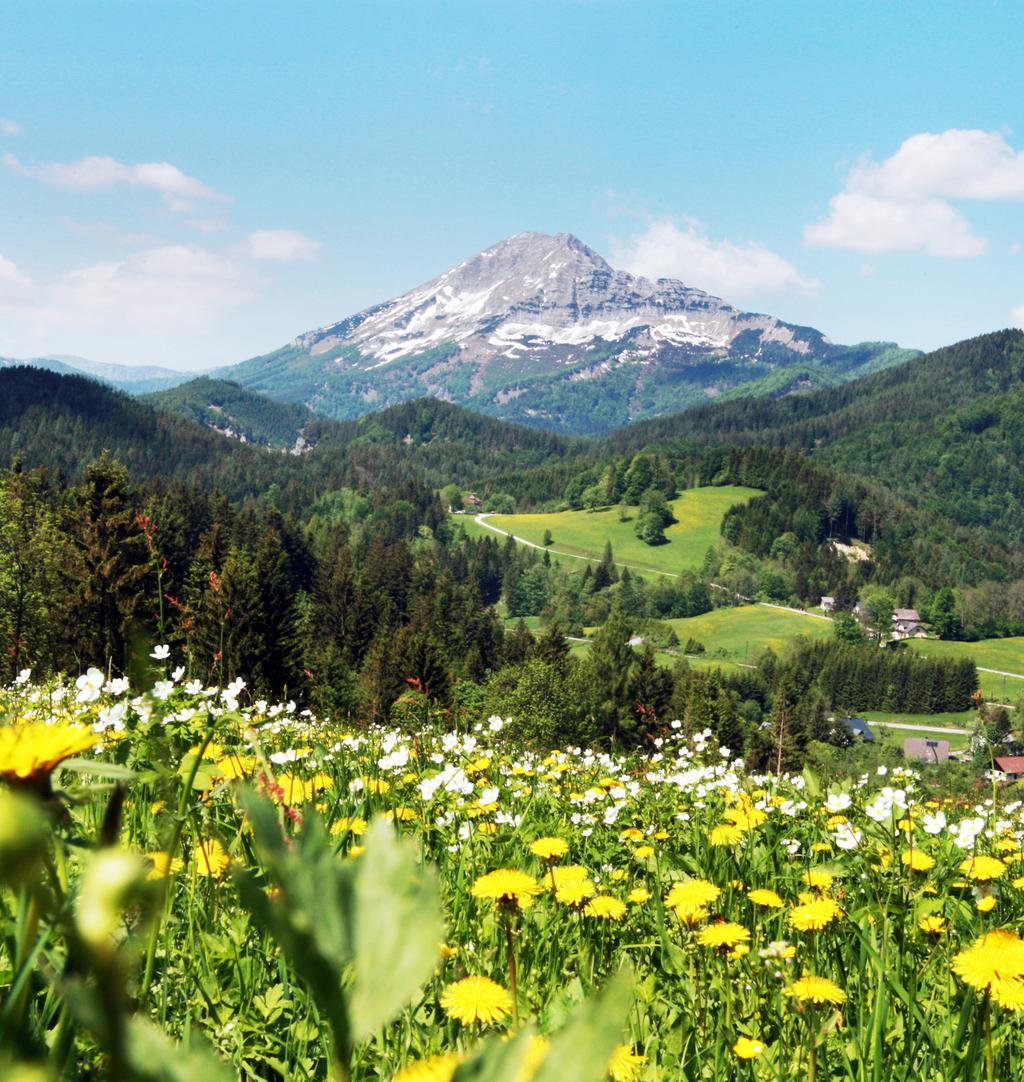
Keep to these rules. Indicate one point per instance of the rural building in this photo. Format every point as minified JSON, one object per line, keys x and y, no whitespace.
{"x":1010,"y":767}
{"x":860,"y":729}
{"x":906,"y":624}
{"x":828,"y":604}
{"x":920,"y":750}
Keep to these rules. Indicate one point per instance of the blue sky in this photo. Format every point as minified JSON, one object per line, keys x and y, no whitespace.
{"x":192,"y":184}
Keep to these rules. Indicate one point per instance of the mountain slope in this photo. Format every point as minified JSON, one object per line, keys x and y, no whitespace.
{"x":540,"y":329}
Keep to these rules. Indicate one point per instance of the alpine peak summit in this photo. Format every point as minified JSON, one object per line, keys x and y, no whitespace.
{"x":540,"y":328}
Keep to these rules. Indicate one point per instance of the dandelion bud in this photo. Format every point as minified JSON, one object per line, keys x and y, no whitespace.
{"x":112,"y":882}
{"x":23,"y":836}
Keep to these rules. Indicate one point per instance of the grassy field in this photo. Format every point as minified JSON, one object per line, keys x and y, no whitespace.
{"x":740,"y":634}
{"x":1006,"y":655}
{"x":583,"y":534}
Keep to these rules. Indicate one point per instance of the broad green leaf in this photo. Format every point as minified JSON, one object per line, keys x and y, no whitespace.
{"x":397,"y":928}
{"x":580,"y":1053}
{"x":99,"y":768}
{"x":812,"y":785}
{"x":311,"y":916}
{"x":152,"y":1057}
{"x":498,"y":1060}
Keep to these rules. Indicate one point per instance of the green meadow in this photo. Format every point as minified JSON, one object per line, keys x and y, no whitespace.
{"x":739,"y":634}
{"x":583,"y":534}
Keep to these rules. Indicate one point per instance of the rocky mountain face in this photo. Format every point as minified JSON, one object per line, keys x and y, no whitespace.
{"x":540,"y":329}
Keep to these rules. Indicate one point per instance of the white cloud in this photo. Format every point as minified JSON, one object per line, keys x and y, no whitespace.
{"x":208,"y":225}
{"x":866,"y":223}
{"x":8,"y":126}
{"x":903,"y":203}
{"x":102,"y":230}
{"x":102,"y":174}
{"x":733,"y":271}
{"x":281,"y":245}
{"x":171,"y":289}
{"x":10,"y":276}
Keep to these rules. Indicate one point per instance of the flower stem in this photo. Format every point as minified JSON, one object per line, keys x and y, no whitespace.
{"x":511,"y":958}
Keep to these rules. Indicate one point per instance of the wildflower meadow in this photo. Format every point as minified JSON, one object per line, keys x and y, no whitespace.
{"x":198,"y":885}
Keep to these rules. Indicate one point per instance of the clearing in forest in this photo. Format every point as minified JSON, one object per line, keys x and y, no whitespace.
{"x":739,"y":634}
{"x":583,"y":534}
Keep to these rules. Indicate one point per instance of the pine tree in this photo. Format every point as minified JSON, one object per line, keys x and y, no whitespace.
{"x":611,"y":662}
{"x":110,"y":567}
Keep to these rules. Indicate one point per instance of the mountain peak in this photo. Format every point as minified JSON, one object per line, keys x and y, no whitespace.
{"x":527,"y":329}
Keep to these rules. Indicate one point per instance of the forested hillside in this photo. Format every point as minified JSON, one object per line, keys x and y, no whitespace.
{"x":65,"y":422}
{"x":233,"y":411}
{"x":945,"y":432}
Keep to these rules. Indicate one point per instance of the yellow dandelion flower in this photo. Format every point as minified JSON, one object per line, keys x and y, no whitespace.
{"x":400,"y":815}
{"x":932,"y":925}
{"x":746,"y":818}
{"x":917,"y":860}
{"x":30,"y":753}
{"x":566,"y":873}
{"x":767,"y":898}
{"x":376,"y":785}
{"x":487,"y":828}
{"x":639,"y":895}
{"x":691,"y":894}
{"x":986,"y":904}
{"x":631,"y":834}
{"x":210,"y":859}
{"x":163,"y":865}
{"x":805,"y":897}
{"x":816,"y":990}
{"x":1018,"y":883}
{"x":347,"y":825}
{"x":813,"y":916}
{"x":605,"y":907}
{"x":660,"y":835}
{"x":821,"y":847}
{"x":817,"y":879}
{"x":625,"y":1064}
{"x":574,"y":891}
{"x":723,"y":934}
{"x":476,"y":999}
{"x":995,"y":963}
{"x":642,"y":852}
{"x":509,"y":886}
{"x":233,"y":766}
{"x":747,"y":1048}
{"x":433,"y":1069}
{"x":549,"y":848}
{"x":982,"y":869}
{"x":619,"y":874}
{"x":726,"y":834}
